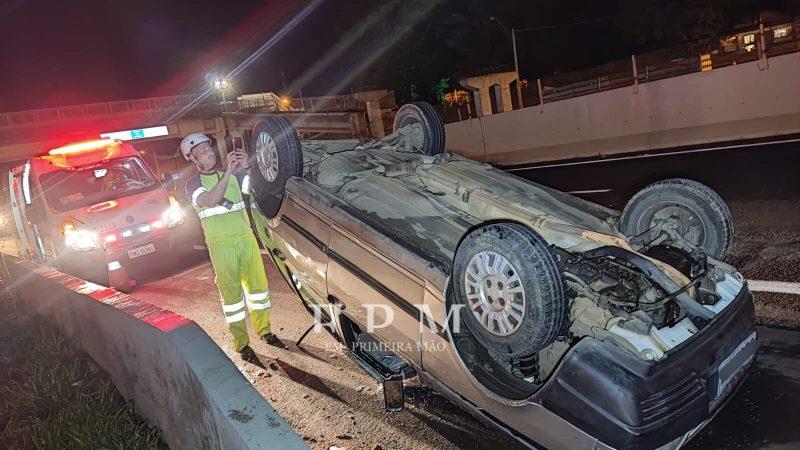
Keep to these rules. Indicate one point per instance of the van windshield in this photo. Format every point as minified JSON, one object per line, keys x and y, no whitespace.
{"x":71,"y":189}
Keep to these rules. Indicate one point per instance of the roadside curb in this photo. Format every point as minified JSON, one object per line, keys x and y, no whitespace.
{"x":176,"y":376}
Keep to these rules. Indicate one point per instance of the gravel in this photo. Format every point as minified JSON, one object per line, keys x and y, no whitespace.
{"x":766,"y":246}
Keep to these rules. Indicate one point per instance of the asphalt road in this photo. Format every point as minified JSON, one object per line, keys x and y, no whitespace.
{"x":763,"y":414}
{"x":748,"y":172}
{"x":332,"y":402}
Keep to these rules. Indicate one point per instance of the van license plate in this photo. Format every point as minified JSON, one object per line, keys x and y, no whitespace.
{"x":139,"y":251}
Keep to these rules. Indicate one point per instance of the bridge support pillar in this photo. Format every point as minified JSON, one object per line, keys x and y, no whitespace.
{"x":375,"y":115}
{"x":373,"y":100}
{"x":222,"y":143}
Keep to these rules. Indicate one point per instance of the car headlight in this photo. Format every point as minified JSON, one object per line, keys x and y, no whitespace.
{"x":174,"y":216}
{"x":81,"y":240}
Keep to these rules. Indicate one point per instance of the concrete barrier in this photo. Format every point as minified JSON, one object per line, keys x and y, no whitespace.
{"x":176,"y":376}
{"x":727,"y":104}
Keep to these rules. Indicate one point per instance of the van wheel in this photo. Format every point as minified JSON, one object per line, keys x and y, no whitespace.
{"x":511,"y":289}
{"x":278,"y":156}
{"x":425,"y":114}
{"x":702,"y":217}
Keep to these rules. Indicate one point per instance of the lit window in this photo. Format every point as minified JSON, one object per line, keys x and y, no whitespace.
{"x":780,"y":32}
{"x":749,"y":39}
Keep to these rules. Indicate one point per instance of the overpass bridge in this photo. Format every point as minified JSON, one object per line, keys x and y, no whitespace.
{"x":28,"y":133}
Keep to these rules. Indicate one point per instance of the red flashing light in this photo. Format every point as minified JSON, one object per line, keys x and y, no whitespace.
{"x":110,"y":238}
{"x":82,"y":147}
{"x":158,"y":223}
{"x":102,"y":206}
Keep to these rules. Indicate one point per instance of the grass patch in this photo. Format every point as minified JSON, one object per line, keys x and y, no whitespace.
{"x":53,"y":396}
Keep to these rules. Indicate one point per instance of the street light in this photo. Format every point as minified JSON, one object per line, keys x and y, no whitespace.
{"x":516,"y":62}
{"x":221,"y":84}
{"x":285,"y":103}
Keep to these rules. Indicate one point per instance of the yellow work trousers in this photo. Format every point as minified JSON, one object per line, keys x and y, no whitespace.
{"x":242,"y":284}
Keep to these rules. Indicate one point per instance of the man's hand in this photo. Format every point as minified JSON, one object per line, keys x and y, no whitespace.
{"x":235,"y":160}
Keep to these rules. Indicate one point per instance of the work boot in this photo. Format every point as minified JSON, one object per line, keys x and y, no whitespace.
{"x":272,"y":340}
{"x":248,"y":355}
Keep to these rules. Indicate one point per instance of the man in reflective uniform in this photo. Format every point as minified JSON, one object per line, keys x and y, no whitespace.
{"x":217,"y":198}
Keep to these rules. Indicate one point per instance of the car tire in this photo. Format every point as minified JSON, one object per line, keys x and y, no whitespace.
{"x":703,"y":217}
{"x":529,"y":282}
{"x":278,"y":156}
{"x":432,"y":127}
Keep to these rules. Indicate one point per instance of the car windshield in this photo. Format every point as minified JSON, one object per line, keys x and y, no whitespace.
{"x":71,"y":189}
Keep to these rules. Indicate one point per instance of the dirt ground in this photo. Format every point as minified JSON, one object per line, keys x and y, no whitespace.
{"x":766,"y":246}
{"x":317,"y":388}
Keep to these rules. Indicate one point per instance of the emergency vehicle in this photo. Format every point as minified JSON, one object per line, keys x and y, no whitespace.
{"x":92,"y":209}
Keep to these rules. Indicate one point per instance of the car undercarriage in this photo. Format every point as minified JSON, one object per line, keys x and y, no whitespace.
{"x":520,"y":279}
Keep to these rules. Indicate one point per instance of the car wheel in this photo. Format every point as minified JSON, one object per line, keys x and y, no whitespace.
{"x":702,"y":217}
{"x":278,"y":156}
{"x":511,"y":289}
{"x":432,"y":127}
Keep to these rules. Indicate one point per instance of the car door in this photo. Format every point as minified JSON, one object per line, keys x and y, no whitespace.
{"x":375,"y":290}
{"x":302,"y":234}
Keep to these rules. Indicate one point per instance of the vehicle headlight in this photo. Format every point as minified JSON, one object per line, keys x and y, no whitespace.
{"x":81,"y":240}
{"x":174,"y":216}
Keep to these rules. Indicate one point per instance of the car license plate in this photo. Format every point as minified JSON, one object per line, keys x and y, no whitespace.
{"x":729,"y":368}
{"x":139,"y":251}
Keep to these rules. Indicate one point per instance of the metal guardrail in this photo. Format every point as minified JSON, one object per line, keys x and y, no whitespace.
{"x":328,"y":104}
{"x":143,"y":105}
{"x":161,"y":105}
{"x":553,"y":90}
{"x":337,"y":103}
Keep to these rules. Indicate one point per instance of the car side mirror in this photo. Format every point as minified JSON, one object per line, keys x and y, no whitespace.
{"x":393,"y":396}
{"x":168,"y":179}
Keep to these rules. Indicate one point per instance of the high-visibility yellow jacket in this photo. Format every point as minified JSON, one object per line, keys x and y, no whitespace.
{"x":228,"y":218}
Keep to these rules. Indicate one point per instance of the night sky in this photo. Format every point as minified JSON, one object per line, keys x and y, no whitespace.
{"x":68,"y":52}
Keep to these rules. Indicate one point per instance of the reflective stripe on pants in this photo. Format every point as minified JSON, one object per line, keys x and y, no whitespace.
{"x":242,"y":282}
{"x":259,"y":300}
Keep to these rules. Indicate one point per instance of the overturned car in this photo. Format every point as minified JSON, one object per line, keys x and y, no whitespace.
{"x":564,"y":323}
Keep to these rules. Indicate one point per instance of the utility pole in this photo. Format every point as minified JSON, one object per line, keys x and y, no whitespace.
{"x":513,"y":34}
{"x":221,"y":84}
{"x":516,"y":67}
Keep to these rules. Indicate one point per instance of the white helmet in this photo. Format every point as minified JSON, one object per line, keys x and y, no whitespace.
{"x":192,"y":140}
